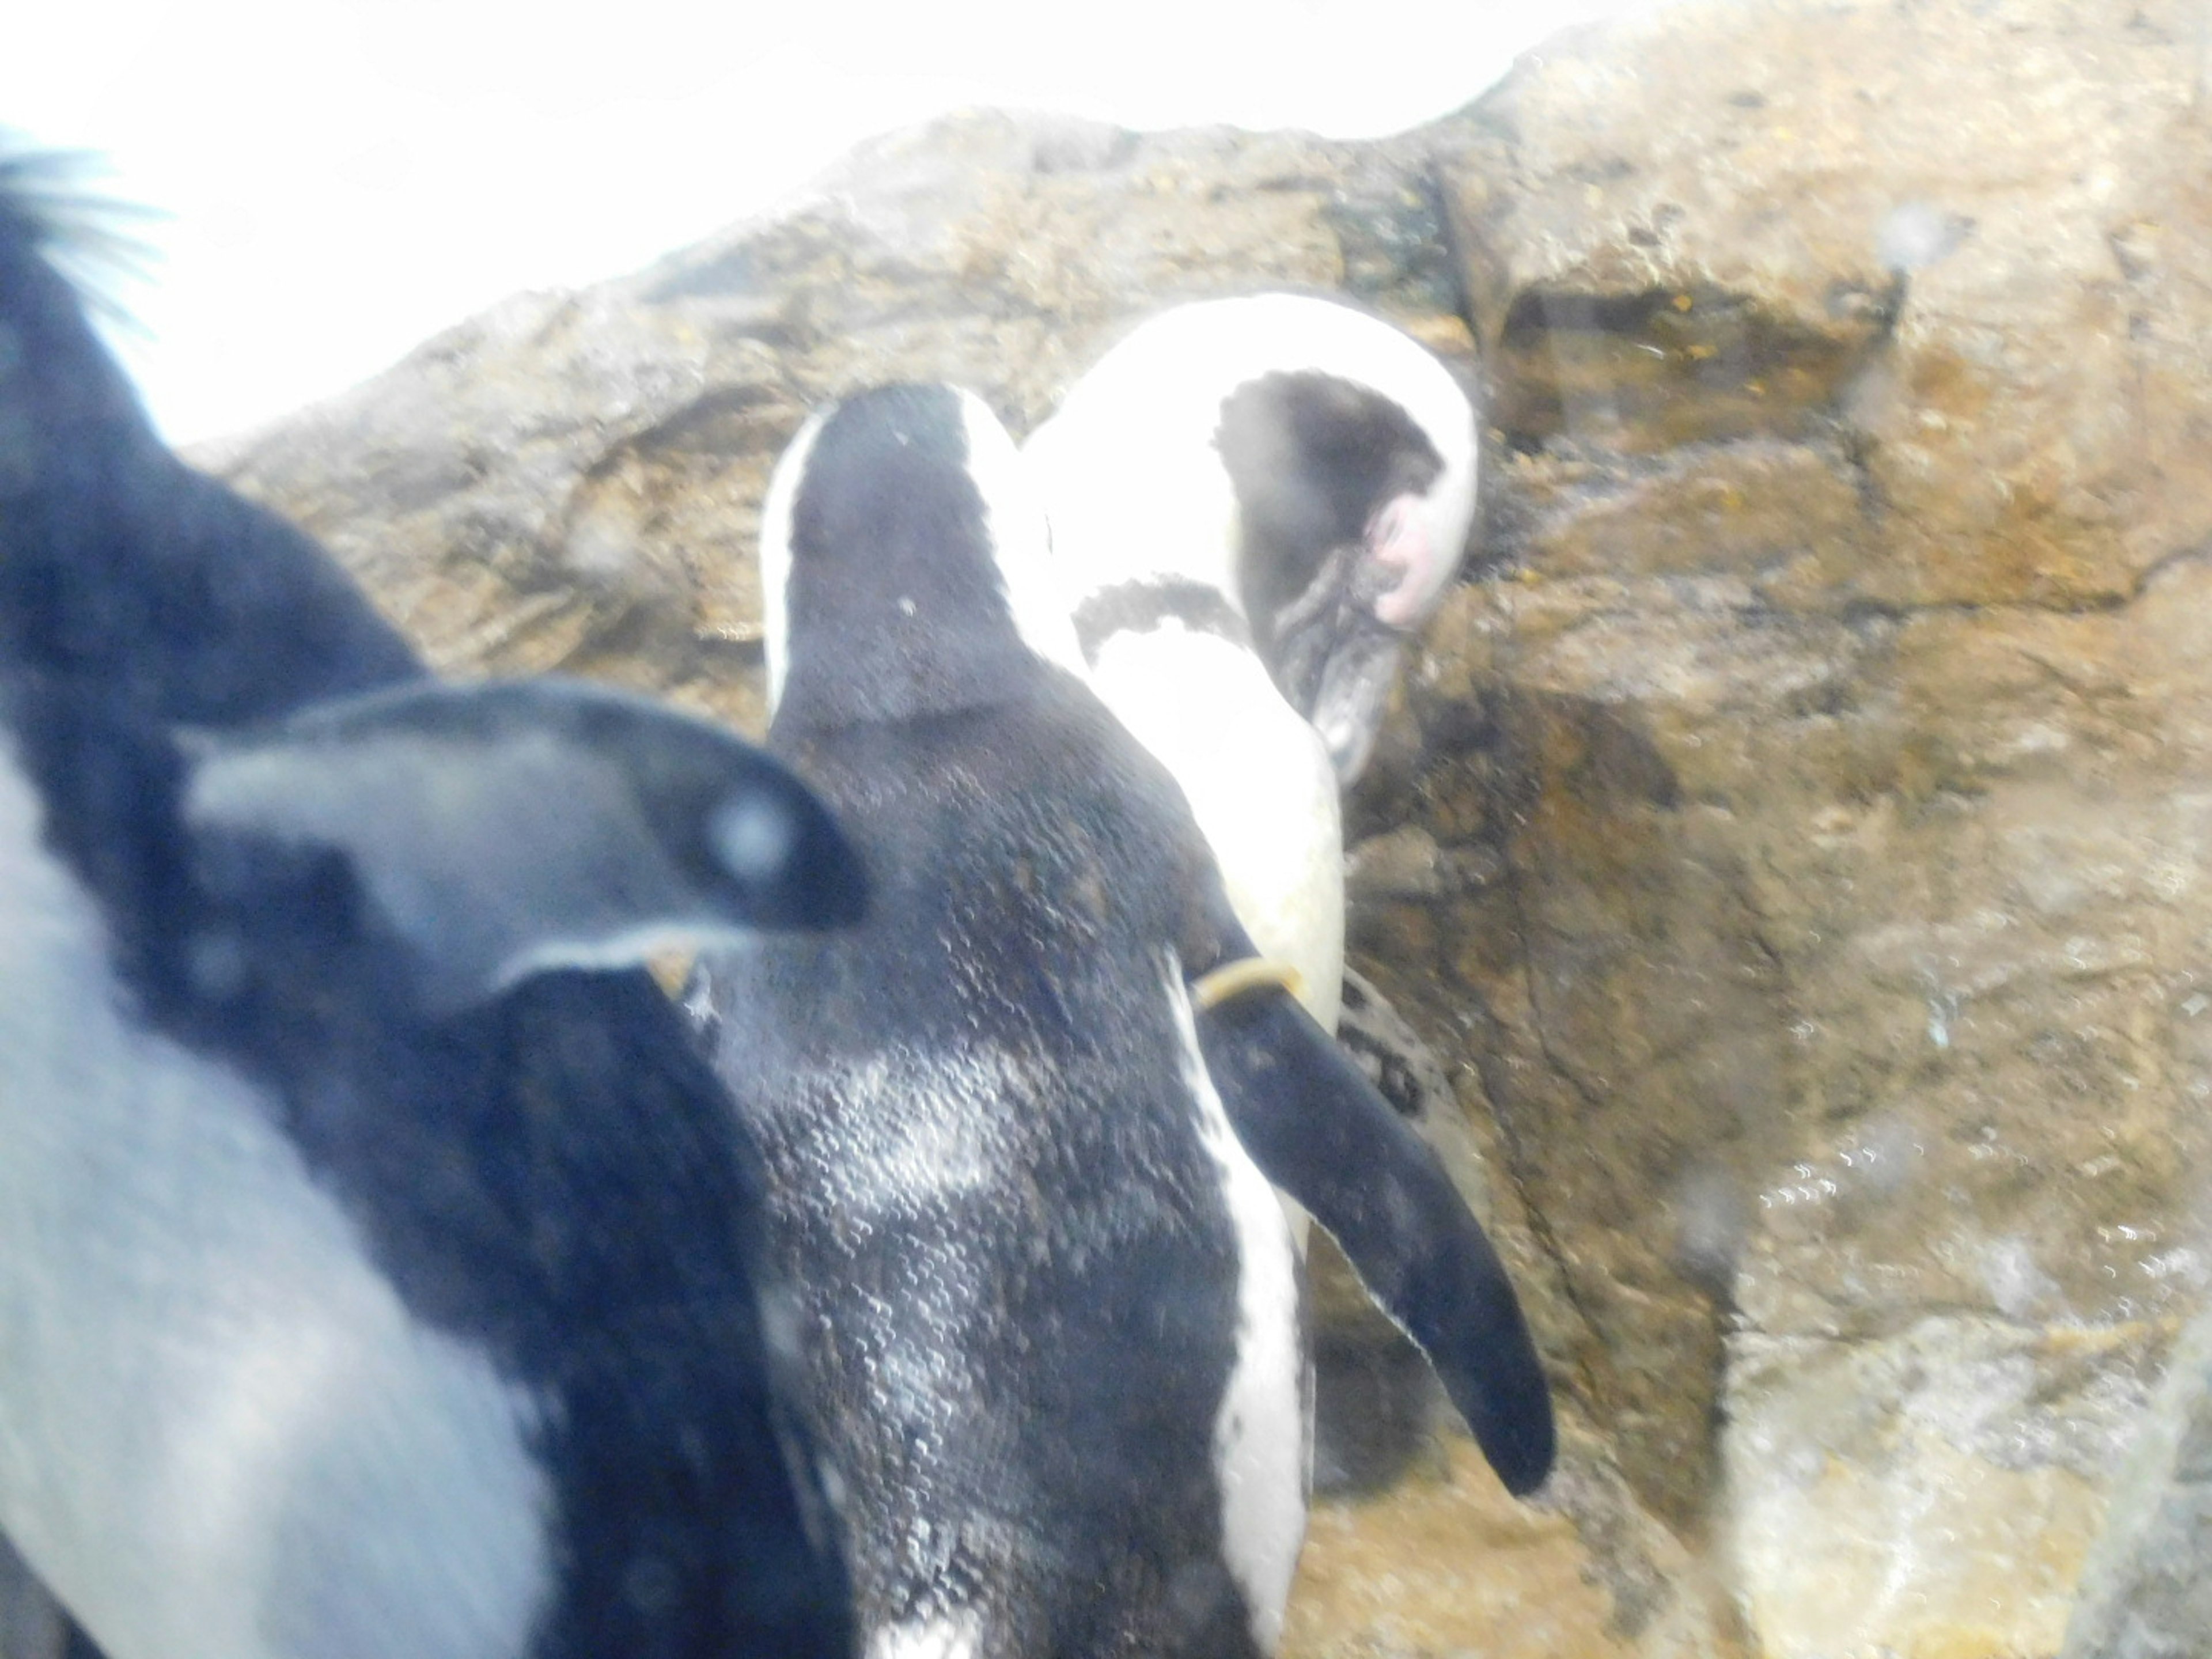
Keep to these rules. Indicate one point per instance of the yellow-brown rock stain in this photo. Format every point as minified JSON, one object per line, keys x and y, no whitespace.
{"x":1447,"y":1564}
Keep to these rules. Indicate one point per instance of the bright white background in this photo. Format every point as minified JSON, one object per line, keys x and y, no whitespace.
{"x":342,"y":178}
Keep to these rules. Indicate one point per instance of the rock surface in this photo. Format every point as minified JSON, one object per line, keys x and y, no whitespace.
{"x":1839,"y":670}
{"x":1792,"y":840}
{"x":2145,"y":1591}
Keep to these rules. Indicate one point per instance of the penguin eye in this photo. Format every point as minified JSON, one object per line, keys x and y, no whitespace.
{"x":651,"y":1584}
{"x":215,"y":962}
{"x":753,"y":835}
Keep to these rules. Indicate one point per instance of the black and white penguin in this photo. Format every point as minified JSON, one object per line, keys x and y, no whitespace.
{"x":365,"y":1289}
{"x":1255,"y":503}
{"x":1050,"y":1303}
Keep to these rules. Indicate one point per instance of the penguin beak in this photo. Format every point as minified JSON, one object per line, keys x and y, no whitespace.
{"x":1335,"y":656}
{"x":1354,"y":690}
{"x":1401,"y":572}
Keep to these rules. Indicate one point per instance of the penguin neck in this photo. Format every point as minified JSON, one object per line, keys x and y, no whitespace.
{"x":864,"y":659}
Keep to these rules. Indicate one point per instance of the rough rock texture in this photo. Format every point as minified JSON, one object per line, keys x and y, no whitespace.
{"x":574,"y":481}
{"x":2146,"y":1592}
{"x":1792,"y":840}
{"x":1840,"y":672}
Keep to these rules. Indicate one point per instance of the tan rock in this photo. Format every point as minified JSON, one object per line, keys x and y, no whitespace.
{"x":1964,"y":247}
{"x":1446,"y":1564}
{"x":1932,"y":1494}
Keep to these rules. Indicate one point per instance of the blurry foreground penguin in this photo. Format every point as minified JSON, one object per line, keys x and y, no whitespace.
{"x":1018,"y":1170}
{"x":364,"y":1291}
{"x":1255,"y":503}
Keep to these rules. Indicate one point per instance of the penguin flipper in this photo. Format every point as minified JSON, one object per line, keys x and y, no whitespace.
{"x":504,"y":828}
{"x":1319,"y":1130}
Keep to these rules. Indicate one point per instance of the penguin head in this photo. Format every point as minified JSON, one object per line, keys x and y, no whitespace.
{"x":502,"y":828}
{"x":905,"y":564}
{"x":1323,"y":464}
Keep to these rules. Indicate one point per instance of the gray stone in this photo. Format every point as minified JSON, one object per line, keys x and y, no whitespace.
{"x":2147,"y":1590}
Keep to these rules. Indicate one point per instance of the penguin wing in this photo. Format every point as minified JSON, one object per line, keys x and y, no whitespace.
{"x":504,"y":828}
{"x":1320,"y":1131}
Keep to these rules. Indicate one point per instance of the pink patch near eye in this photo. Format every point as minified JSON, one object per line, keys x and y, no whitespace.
{"x":1398,"y":540}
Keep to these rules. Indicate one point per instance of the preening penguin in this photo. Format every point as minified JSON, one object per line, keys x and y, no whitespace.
{"x":1254,"y":502}
{"x":1049,"y":1302}
{"x":364,"y":1291}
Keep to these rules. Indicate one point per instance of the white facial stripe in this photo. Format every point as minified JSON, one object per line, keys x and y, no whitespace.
{"x":1259,"y":1433}
{"x":775,"y":553}
{"x":1134,"y":484}
{"x":1138,"y":429}
{"x":1021,"y":543}
{"x":1014,"y":522}
{"x":221,"y":1434}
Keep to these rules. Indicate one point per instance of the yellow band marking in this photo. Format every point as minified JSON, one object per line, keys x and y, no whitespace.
{"x":1243,"y":976}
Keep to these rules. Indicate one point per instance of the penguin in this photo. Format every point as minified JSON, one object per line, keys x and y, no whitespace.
{"x":31,"y":1625}
{"x":380,"y":1269}
{"x":1255,"y":503}
{"x":1048,"y":1303}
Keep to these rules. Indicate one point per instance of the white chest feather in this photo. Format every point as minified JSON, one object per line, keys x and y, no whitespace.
{"x":1260,"y":1432}
{"x":953,"y":1636}
{"x":1259,"y":781}
{"x":221,"y":1434}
